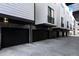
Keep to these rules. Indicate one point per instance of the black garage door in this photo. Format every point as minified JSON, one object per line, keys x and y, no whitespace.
{"x":14,"y":36}
{"x":52,"y":34}
{"x":63,"y":34}
{"x":40,"y":35}
{"x":57,"y":34}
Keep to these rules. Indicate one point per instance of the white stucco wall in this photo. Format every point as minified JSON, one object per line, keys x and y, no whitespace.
{"x":64,"y":12}
{"x":60,"y":10}
{"x":58,"y":15}
{"x":41,"y":14}
{"x":61,"y":13}
{"x":23,"y":10}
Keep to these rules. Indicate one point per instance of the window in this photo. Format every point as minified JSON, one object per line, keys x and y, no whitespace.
{"x":67,"y":24}
{"x":62,"y":24}
{"x":49,"y":11}
{"x":50,"y":15}
{"x":78,"y":29}
{"x":70,"y":26}
{"x":78,"y":24}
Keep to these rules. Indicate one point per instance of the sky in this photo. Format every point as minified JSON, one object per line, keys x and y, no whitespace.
{"x":70,"y":8}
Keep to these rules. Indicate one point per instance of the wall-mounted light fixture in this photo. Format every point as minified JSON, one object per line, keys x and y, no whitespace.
{"x":5,"y":20}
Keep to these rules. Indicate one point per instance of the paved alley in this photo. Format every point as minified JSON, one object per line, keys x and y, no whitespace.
{"x":66,"y":46}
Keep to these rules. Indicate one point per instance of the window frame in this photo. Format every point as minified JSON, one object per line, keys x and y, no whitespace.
{"x":67,"y":24}
{"x":62,"y":22}
{"x":50,"y":14}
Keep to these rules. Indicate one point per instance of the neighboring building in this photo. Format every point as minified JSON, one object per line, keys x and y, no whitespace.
{"x":75,"y":12}
{"x":30,"y":22}
{"x":76,"y":29}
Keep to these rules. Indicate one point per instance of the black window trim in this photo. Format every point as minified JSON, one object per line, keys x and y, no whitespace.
{"x":53,"y":22}
{"x":62,"y":22}
{"x":67,"y":24}
{"x":50,"y":11}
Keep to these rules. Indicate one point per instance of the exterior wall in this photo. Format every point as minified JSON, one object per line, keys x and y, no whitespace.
{"x":66,"y":18}
{"x":61,"y":13}
{"x":71,"y":21}
{"x":22,"y":10}
{"x":41,"y":13}
{"x":64,"y":12}
{"x":58,"y":15}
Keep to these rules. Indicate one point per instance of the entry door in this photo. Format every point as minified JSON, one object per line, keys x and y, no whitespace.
{"x":14,"y":36}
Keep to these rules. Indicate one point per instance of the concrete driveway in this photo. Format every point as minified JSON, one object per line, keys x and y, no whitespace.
{"x":66,"y":46}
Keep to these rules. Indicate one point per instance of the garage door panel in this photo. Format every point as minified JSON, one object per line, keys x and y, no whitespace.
{"x":40,"y":35}
{"x":14,"y":36}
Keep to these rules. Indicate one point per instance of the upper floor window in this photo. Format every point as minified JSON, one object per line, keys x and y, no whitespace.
{"x":70,"y":26}
{"x":49,"y":11}
{"x":50,"y":15}
{"x":67,"y":24}
{"x":78,"y":24}
{"x":62,"y":24}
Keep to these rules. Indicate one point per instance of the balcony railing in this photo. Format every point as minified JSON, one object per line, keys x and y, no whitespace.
{"x":50,"y":19}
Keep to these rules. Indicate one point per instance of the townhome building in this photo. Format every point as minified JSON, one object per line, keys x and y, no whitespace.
{"x":30,"y":22}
